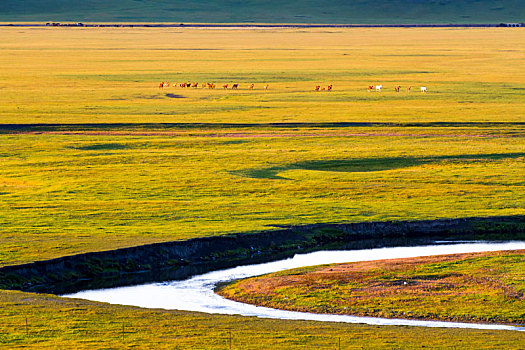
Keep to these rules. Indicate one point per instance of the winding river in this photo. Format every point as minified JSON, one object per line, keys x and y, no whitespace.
{"x":197,"y":293}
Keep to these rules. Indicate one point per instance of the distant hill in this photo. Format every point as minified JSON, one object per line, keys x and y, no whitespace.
{"x":266,"y":11}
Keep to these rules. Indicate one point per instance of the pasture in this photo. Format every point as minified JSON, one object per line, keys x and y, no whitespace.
{"x":481,"y":287}
{"x":96,"y":157}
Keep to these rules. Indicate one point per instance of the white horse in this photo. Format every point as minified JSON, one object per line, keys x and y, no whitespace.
{"x":379,"y":87}
{"x":423,"y":89}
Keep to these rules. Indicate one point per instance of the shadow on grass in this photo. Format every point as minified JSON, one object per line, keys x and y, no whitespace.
{"x":102,"y":147}
{"x":371,"y":164}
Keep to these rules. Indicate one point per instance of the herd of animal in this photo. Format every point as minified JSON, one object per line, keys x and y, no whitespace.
{"x":397,"y":88}
{"x":378,"y":88}
{"x":206,"y":85}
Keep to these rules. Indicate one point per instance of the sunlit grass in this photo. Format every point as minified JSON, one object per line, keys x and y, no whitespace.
{"x":226,"y":166}
{"x":482,"y":287}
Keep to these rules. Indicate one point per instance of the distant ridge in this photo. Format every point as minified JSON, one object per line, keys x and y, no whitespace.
{"x":244,"y":25}
{"x":401,"y":12}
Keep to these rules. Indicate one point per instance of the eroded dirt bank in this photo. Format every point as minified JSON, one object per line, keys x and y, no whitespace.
{"x":180,"y":259}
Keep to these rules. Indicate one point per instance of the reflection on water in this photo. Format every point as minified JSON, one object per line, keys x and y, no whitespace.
{"x":196,"y":293}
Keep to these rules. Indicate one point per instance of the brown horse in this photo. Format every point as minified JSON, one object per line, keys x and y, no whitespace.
{"x":370,"y":88}
{"x":161,"y":85}
{"x":251,"y":87}
{"x":225,"y":86}
{"x":329,"y":88}
{"x":408,"y":88}
{"x":317,"y":87}
{"x":266,"y":86}
{"x":235,"y":86}
{"x":397,"y":88}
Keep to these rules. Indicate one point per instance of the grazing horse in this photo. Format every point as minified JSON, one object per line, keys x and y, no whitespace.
{"x":423,"y":89}
{"x":161,"y":85}
{"x":194,"y":85}
{"x":266,"y":86}
{"x":408,"y":88}
{"x":370,"y":87}
{"x":235,"y":86}
{"x":329,"y":88}
{"x":397,"y":88}
{"x":203,"y":85}
{"x":317,"y":87}
{"x":251,"y":87}
{"x":322,"y":89}
{"x":379,"y":87}
{"x":225,"y":86}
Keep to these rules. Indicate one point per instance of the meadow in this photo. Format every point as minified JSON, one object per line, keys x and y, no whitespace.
{"x":481,"y":287}
{"x":94,"y":156}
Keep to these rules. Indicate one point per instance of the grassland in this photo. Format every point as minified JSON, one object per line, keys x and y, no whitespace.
{"x":62,"y":323}
{"x":457,"y":151}
{"x":481,"y":287}
{"x":81,"y":75}
{"x":271,"y":11}
{"x":125,"y":163}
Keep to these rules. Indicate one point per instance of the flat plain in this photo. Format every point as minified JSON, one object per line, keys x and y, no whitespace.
{"x":95,"y":156}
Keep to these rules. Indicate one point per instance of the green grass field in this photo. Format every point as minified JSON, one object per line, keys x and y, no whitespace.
{"x":127,"y":163}
{"x":295,"y":11}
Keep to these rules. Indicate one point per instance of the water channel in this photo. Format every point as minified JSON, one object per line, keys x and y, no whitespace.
{"x":197,"y":293}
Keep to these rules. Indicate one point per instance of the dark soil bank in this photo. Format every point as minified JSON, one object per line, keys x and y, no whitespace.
{"x":181,"y":259}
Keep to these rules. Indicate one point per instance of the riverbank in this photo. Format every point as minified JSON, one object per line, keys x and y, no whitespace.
{"x":180,"y":259}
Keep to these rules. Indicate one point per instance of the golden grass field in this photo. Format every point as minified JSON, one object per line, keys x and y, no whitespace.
{"x":109,"y":75}
{"x":128,"y":163}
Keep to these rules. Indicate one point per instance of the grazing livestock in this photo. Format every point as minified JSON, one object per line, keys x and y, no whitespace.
{"x":266,"y":86}
{"x":235,"y":86}
{"x":161,"y":85}
{"x":370,"y":87}
{"x":194,"y":85}
{"x":379,"y":87}
{"x":322,"y":89}
{"x":251,"y":87}
{"x":329,"y":88}
{"x":397,"y":88}
{"x":317,"y":87}
{"x":203,"y":85}
{"x":423,"y":89}
{"x":408,"y":88}
{"x":225,"y":86}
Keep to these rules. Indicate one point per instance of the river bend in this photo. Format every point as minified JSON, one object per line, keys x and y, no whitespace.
{"x":197,"y":293}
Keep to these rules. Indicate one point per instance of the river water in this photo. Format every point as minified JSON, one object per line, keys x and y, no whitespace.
{"x":197,"y":293}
